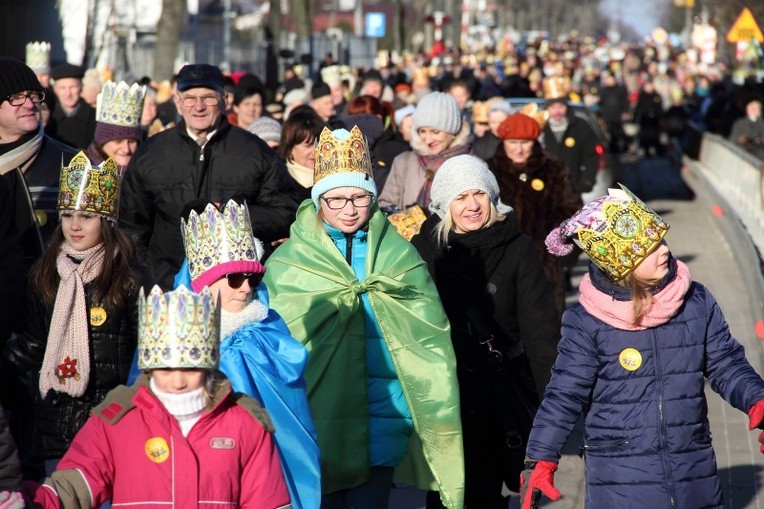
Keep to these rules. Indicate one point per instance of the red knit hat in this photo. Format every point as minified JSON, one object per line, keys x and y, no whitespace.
{"x":519,"y":127}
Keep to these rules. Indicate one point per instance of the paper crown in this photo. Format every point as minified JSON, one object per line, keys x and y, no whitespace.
{"x":178,"y":329}
{"x":541,"y":116}
{"x":89,"y":188}
{"x":349,"y":155}
{"x":219,"y":243}
{"x":120,"y":104}
{"x":38,"y":56}
{"x":617,"y":231}
{"x":331,"y":75}
{"x":556,"y":87}
{"x":480,"y":112}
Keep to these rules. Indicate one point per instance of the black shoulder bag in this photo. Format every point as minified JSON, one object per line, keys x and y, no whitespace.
{"x":516,"y":397}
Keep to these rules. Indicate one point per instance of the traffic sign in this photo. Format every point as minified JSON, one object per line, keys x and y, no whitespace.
{"x":745,"y":28}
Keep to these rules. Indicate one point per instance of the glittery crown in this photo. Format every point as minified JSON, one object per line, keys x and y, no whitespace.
{"x":38,"y":56}
{"x":333,"y":156}
{"x":120,"y":104}
{"x":625,"y":233}
{"x":556,"y":87}
{"x":89,"y":188}
{"x":178,"y":329}
{"x":214,"y":238}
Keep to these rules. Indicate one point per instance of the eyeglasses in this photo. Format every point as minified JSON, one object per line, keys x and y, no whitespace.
{"x":237,"y":279}
{"x":337,"y":203}
{"x":189,"y":101}
{"x":20,"y":98}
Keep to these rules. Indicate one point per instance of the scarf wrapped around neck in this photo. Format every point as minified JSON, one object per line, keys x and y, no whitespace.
{"x":21,"y":156}
{"x":619,"y":313}
{"x":66,"y":365}
{"x":430,"y":165}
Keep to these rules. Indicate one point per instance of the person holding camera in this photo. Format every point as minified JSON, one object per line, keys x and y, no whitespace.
{"x":504,"y":323}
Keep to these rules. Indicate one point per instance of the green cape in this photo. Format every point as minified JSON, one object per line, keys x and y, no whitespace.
{"x":315,"y":290}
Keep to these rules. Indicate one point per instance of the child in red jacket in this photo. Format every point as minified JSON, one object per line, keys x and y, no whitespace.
{"x":179,"y":436}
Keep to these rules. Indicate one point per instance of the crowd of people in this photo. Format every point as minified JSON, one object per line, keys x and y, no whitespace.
{"x":215,"y":293}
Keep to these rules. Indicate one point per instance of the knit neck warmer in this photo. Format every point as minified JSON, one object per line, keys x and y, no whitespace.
{"x":66,"y":364}
{"x":558,"y":128}
{"x":23,"y":155}
{"x":617,"y":312}
{"x":231,"y":322}
{"x":430,"y":165}
{"x":302,"y":174}
{"x":187,"y":407}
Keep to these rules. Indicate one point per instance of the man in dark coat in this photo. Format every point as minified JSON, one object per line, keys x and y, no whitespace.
{"x":614,"y":108}
{"x":72,"y":120}
{"x":571,"y":141}
{"x":202,"y":157}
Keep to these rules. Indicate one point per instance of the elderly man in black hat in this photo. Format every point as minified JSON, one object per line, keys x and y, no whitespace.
{"x":203,"y":157}
{"x":72,"y":120}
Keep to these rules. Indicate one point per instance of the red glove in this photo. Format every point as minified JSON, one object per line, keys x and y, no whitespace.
{"x":536,"y":480}
{"x":756,"y":416}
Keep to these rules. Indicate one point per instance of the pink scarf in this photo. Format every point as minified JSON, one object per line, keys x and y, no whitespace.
{"x":66,"y":364}
{"x":619,"y":314}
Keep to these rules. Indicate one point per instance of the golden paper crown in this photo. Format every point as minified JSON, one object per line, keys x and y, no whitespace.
{"x":480,"y":111}
{"x":556,"y":87}
{"x":214,"y":238}
{"x":333,"y":156}
{"x":89,"y":188}
{"x":38,"y":56}
{"x":541,"y":116}
{"x":625,"y":234}
{"x":178,"y":329}
{"x":120,"y":104}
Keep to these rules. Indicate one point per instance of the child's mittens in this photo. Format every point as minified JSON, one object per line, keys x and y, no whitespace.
{"x":756,"y":420}
{"x":12,"y":500}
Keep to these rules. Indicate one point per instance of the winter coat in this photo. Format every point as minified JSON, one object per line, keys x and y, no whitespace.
{"x":59,"y":416}
{"x":577,"y":150}
{"x":541,"y":195}
{"x":647,"y":436}
{"x":485,"y":146}
{"x":132,"y":452}
{"x":648,"y":113}
{"x":76,"y":130}
{"x":407,"y":176}
{"x":170,"y":169}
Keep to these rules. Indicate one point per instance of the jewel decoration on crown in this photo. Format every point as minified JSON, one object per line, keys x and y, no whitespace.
{"x":629,"y":233}
{"x":89,"y":188}
{"x":214,"y":237}
{"x":178,"y":329}
{"x":341,"y":156}
{"x":38,"y":56}
{"x":120,"y":104}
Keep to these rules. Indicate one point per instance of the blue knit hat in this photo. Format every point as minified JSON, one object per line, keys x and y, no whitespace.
{"x":342,"y":160}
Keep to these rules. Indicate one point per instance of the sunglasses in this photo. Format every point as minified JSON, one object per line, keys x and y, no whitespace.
{"x":237,"y":279}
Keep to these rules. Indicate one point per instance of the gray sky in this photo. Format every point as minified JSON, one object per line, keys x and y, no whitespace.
{"x":640,"y":14}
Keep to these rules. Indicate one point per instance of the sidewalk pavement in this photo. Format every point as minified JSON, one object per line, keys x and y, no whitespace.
{"x":715,"y":248}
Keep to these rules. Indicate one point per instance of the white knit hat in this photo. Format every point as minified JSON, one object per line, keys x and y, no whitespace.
{"x":438,"y":111}
{"x":459,"y":174}
{"x":267,"y":128}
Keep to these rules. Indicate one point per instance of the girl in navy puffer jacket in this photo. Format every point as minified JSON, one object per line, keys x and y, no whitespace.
{"x":633,"y":358}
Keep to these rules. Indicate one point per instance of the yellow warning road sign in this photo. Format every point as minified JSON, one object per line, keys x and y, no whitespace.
{"x":745,"y":28}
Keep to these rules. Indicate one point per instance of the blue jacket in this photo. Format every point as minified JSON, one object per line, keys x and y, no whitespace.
{"x":390,"y":421}
{"x":647,"y":436}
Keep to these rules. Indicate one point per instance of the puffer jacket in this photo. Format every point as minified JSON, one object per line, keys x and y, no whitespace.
{"x":647,"y":436}
{"x":59,"y":416}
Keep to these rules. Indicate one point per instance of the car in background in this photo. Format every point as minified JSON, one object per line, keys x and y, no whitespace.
{"x":608,"y":171}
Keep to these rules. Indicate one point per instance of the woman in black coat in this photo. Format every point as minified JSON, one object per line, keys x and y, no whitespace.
{"x":502,"y":315}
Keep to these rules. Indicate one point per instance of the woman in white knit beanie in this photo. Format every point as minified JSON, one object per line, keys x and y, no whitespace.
{"x":438,"y":133}
{"x":504,"y":323}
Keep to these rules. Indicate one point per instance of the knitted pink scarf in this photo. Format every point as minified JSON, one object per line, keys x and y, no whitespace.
{"x":66,"y":365}
{"x":619,"y":314}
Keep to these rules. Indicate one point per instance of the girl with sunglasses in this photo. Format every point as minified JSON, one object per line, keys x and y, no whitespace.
{"x":381,"y":372}
{"x":257,"y":353}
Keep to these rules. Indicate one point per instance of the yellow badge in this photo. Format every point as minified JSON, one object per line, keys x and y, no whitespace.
{"x":157,"y":449}
{"x":569,"y":142}
{"x":41,"y":216}
{"x":97,"y":316}
{"x":630,"y":359}
{"x":537,"y":184}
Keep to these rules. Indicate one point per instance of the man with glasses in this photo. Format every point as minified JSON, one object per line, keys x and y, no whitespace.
{"x":30,"y":163}
{"x":72,"y":120}
{"x":203,"y":157}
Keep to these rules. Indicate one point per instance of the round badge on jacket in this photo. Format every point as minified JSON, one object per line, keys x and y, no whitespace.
{"x":537,"y":184}
{"x":41,"y":216}
{"x":630,"y":359}
{"x":97,"y":316}
{"x":570,"y":141}
{"x":157,"y":449}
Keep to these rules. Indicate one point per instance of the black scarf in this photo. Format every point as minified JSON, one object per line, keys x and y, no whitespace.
{"x":603,"y":283}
